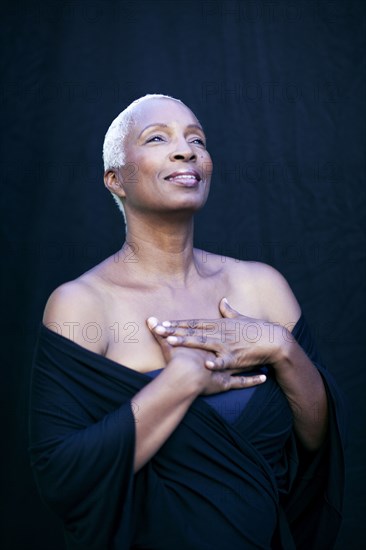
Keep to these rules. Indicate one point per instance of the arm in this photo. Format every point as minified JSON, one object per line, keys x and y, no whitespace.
{"x":236,"y":347}
{"x":303,"y":386}
{"x":298,"y":377}
{"x":160,"y":406}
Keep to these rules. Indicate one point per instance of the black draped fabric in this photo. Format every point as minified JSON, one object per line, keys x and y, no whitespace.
{"x":210,"y":482}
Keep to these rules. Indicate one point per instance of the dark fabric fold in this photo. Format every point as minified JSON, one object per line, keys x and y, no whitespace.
{"x":211,"y":485}
{"x":314,"y":505}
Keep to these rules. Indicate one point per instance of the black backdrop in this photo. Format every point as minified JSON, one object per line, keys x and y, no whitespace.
{"x":279,"y":88}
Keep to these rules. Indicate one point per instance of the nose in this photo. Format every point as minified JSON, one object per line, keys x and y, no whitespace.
{"x":183,"y":151}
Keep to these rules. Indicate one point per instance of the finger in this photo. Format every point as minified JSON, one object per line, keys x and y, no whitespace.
{"x":209,"y":330}
{"x":226,"y":310}
{"x":200,"y":342}
{"x":238,"y":382}
{"x":152,"y":322}
{"x":163,"y":331}
{"x":156,"y":328}
{"x":189,"y":323}
{"x":160,"y":339}
{"x":221,"y":362}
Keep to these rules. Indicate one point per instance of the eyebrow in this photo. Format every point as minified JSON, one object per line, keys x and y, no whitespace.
{"x":162,"y":125}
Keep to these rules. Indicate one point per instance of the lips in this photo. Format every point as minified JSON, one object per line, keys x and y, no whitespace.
{"x":188,"y":178}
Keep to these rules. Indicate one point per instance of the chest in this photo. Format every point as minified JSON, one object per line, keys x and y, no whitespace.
{"x":131,"y":343}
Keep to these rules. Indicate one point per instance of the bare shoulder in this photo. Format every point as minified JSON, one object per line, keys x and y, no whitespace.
{"x":270,"y":291}
{"x":76,"y":310}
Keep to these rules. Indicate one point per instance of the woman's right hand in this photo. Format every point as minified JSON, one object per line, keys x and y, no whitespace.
{"x":193,"y":361}
{"x":210,"y":382}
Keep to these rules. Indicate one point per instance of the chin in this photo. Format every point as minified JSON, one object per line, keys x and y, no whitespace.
{"x":189,"y":208}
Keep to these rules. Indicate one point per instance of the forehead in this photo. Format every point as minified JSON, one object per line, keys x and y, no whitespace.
{"x":166,"y":111}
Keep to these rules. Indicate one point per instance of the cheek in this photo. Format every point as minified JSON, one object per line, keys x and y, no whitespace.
{"x":146,"y":167}
{"x":207,"y":165}
{"x":130,"y":173}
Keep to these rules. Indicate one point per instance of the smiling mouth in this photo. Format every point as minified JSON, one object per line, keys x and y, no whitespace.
{"x":187,"y":179}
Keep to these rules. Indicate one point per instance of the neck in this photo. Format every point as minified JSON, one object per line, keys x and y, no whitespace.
{"x":160,"y":248}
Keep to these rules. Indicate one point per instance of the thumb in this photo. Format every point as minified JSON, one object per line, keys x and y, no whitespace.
{"x":226,"y":310}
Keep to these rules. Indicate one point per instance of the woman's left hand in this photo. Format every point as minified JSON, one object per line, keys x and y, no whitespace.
{"x":239,"y":342}
{"x":242,"y":343}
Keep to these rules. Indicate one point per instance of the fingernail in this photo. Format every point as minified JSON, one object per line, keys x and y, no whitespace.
{"x":172,"y":339}
{"x":166,"y":324}
{"x":160,"y":330}
{"x":225,"y":300}
{"x":152,"y":322}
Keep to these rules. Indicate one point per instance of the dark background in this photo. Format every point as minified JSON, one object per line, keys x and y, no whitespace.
{"x":279,"y":88}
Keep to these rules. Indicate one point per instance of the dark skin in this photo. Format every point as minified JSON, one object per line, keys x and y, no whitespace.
{"x":241,"y":343}
{"x":158,"y":273}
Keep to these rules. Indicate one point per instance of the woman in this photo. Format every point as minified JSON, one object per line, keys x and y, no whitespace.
{"x":210,"y":432}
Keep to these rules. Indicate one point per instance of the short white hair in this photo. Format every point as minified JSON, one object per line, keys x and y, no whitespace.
{"x":114,"y":152}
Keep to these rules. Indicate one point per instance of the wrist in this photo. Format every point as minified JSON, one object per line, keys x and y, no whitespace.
{"x":183,"y":374}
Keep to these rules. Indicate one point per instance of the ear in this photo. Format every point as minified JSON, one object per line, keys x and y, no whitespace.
{"x":113,"y":182}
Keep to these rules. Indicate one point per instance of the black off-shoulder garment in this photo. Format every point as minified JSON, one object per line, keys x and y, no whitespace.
{"x":214,"y":484}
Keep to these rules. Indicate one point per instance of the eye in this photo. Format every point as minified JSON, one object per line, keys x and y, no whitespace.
{"x":155,"y":138}
{"x":199,"y":141}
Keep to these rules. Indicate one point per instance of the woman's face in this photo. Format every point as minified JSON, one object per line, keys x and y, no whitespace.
{"x":167,"y":165}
